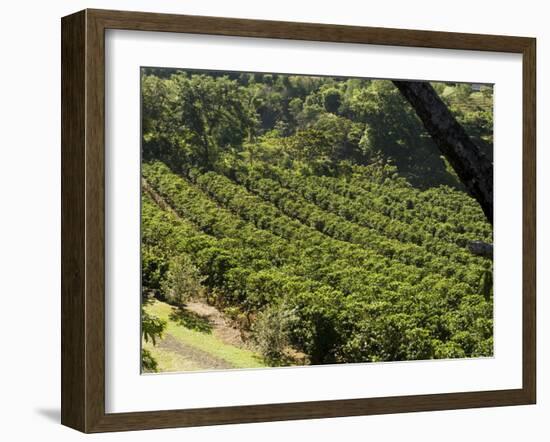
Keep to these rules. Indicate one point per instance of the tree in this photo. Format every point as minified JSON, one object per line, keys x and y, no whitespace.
{"x":193,"y":118}
{"x":393,"y":131}
{"x":332,"y":99}
{"x":471,"y":165}
{"x":183,"y":281}
{"x":216,"y":111}
{"x":271,"y":332}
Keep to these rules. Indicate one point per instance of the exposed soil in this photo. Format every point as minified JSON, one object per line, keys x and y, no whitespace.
{"x":221,"y":327}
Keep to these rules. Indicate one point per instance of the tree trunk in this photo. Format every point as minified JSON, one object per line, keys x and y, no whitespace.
{"x":471,"y":165}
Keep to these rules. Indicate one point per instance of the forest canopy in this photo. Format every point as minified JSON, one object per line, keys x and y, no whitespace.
{"x":205,"y":118}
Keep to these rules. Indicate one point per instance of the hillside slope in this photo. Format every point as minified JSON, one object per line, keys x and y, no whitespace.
{"x":360,"y":289}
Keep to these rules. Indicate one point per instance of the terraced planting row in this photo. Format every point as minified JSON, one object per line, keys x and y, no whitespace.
{"x":346,"y":295}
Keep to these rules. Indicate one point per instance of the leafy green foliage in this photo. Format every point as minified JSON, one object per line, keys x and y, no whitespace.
{"x":343,"y":294}
{"x":152,"y":328}
{"x":312,"y":211}
{"x":148,"y":362}
{"x":193,"y":118}
{"x":182,"y":282}
{"x":197,"y":118}
{"x":272,"y":330}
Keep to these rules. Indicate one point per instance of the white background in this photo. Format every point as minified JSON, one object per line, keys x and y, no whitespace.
{"x":30,"y":222}
{"x":128,"y":391}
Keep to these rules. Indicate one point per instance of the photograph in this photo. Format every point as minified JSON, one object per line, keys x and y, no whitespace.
{"x":294,"y":220}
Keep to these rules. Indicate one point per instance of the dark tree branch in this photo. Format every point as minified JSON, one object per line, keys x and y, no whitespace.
{"x":471,"y":165}
{"x":481,"y":248}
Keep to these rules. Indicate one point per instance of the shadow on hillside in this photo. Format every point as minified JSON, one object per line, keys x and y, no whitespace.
{"x":191,"y":320}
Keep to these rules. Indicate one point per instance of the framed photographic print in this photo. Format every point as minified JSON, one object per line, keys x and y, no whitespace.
{"x":267,"y":220}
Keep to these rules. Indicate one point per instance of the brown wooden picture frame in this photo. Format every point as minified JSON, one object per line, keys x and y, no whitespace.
{"x":83,"y":216}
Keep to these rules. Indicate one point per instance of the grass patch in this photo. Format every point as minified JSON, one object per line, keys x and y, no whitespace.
{"x":170,"y":361}
{"x":201,"y":340}
{"x":190,"y":320}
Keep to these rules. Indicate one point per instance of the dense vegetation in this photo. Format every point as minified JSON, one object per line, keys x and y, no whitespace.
{"x":316,"y":213}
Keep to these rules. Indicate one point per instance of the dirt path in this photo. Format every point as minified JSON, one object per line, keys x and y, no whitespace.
{"x":198,"y":338}
{"x":199,"y":357}
{"x":221,"y":327}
